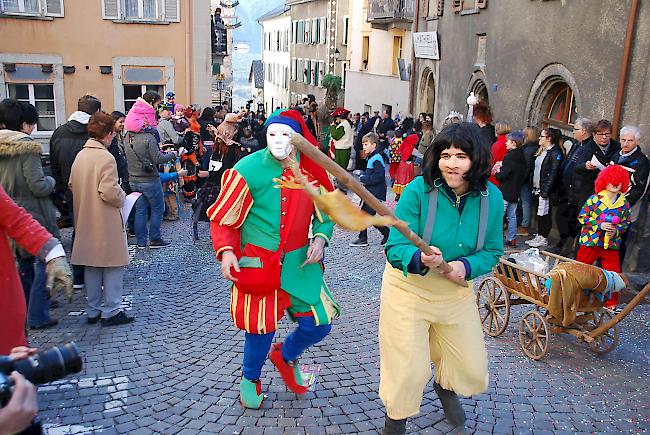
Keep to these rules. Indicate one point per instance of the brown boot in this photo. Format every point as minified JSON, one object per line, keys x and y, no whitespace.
{"x":523,"y":231}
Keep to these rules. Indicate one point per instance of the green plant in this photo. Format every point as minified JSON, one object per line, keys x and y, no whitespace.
{"x":333,"y":83}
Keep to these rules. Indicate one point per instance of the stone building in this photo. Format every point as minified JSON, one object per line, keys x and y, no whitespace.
{"x":115,"y":49}
{"x":539,"y":63}
{"x":379,"y":51}
{"x":318,"y":35}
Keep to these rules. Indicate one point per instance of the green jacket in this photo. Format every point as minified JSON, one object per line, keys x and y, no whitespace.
{"x":22,"y":177}
{"x":455,"y":234}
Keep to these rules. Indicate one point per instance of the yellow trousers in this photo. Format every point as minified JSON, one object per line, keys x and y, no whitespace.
{"x":423,"y":320}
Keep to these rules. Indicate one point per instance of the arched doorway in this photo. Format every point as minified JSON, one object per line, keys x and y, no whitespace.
{"x":554,"y":100}
{"x":478,"y":85}
{"x":427,"y":92}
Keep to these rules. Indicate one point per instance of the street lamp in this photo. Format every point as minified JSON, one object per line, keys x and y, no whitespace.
{"x":337,"y":54}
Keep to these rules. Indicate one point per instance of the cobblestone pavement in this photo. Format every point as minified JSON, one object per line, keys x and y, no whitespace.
{"x":176,"y":369}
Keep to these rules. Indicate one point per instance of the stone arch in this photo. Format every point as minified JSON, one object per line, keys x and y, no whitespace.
{"x":427,"y":91}
{"x":548,"y":79}
{"x":479,"y":85}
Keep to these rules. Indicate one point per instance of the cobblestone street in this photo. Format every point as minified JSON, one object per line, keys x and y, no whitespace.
{"x":176,"y":369}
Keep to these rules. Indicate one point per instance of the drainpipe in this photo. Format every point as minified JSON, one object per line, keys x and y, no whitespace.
{"x":625,"y":66}
{"x":412,"y":78}
{"x":188,"y":52}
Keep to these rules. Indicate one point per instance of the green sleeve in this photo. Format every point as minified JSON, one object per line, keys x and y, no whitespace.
{"x":399,"y":251}
{"x":483,"y":261}
{"x":322,"y":226}
{"x":337,"y":132}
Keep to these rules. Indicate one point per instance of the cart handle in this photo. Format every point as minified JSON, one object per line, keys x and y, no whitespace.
{"x":617,"y":318}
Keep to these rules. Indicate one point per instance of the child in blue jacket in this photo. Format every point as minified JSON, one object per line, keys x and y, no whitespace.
{"x":374,"y":179}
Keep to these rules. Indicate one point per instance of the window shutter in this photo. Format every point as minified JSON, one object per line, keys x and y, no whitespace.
{"x":481,"y":4}
{"x":323,"y":30}
{"x":314,"y":31}
{"x":171,"y":10}
{"x":457,"y":5}
{"x":111,"y":9}
{"x":54,"y":8}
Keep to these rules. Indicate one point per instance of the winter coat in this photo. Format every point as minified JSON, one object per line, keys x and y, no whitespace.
{"x":22,"y":177}
{"x":117,"y":150}
{"x":100,"y":238}
{"x":16,"y":224}
{"x":167,"y":133}
{"x":386,"y":125}
{"x":342,"y":135}
{"x":65,"y":143}
{"x":488,"y":134}
{"x":582,"y":183}
{"x":425,"y":141}
{"x":530,"y":149}
{"x":549,"y":174}
{"x":374,"y":178}
{"x":513,"y":174}
{"x":251,"y":143}
{"x":569,"y":166}
{"x":142,"y":148}
{"x":497,"y":152}
{"x":140,"y":115}
{"x":639,"y":178}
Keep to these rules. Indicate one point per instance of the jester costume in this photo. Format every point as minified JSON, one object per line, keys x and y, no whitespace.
{"x":265,"y":223}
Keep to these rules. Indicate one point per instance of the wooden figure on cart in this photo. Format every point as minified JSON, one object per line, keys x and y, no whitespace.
{"x":260,"y":231}
{"x":604,"y":218}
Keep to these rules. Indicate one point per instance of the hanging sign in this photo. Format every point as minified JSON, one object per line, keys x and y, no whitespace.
{"x":426,"y":45}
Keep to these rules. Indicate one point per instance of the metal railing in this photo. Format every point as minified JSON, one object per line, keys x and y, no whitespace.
{"x":390,"y":9}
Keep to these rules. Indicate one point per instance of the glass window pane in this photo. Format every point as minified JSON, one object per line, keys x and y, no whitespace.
{"x":143,"y":75}
{"x":45,"y":108}
{"x":131,"y":7}
{"x":128,"y":105}
{"x":31,"y":6}
{"x":30,"y":73}
{"x":156,"y":88}
{"x":131,"y":92}
{"x":44,"y":92}
{"x":46,"y":124}
{"x":558,"y":109}
{"x":10,"y":5}
{"x":149,"y":8}
{"x":19,"y":91}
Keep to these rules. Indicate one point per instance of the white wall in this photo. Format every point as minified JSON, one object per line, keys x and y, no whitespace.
{"x":374,"y":90}
{"x":277,"y":92}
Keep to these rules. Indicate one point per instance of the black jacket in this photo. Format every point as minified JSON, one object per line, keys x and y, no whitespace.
{"x":549,"y":176}
{"x":374,"y":179}
{"x":385,"y":125}
{"x":117,"y":149}
{"x":569,"y":165}
{"x":639,"y":162}
{"x":66,"y":142}
{"x":582,"y":183}
{"x":513,"y":174}
{"x":488,"y":134}
{"x":530,"y":148}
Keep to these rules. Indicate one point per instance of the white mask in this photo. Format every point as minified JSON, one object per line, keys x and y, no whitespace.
{"x":278,"y":138}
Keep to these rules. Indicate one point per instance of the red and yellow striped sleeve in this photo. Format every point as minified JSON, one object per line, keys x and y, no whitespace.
{"x":234,"y":201}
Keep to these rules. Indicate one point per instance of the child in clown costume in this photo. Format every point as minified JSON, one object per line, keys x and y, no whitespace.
{"x":260,"y":231}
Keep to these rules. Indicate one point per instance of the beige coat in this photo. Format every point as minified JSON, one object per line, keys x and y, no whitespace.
{"x":100,"y":239}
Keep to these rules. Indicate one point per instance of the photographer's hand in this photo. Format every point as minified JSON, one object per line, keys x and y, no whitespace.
{"x":22,"y":407}
{"x":22,"y":352}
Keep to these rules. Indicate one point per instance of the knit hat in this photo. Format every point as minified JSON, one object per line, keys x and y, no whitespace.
{"x":517,"y":136}
{"x":294,"y":119}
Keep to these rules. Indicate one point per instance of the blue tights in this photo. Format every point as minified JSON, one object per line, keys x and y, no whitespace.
{"x":256,"y":346}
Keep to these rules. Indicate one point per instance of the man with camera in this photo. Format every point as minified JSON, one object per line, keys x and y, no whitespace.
{"x":21,"y":409}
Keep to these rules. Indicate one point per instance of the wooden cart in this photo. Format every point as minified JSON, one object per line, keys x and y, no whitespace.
{"x":513,"y":284}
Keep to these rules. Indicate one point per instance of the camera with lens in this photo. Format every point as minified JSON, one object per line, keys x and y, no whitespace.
{"x":148,"y":167}
{"x":46,"y":366}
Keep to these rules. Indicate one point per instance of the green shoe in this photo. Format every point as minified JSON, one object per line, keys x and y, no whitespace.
{"x":250,"y":393}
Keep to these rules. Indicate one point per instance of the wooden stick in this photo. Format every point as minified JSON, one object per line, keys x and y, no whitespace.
{"x":629,"y":307}
{"x":309,"y":150}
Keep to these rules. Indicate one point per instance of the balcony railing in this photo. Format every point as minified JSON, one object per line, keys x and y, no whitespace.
{"x":389,"y":10}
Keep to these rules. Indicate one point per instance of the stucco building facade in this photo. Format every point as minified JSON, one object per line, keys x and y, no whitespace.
{"x":276,"y":47}
{"x":114,"y":49}
{"x":379,"y":52}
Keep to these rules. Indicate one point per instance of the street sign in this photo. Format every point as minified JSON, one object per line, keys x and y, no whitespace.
{"x":426,"y":45}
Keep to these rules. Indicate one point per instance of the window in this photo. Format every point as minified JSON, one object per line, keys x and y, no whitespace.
{"x":48,"y":8}
{"x":41,"y":96}
{"x":560,"y":107}
{"x":141,"y":10}
{"x":346,"y":29}
{"x":316,"y":73}
{"x":132,"y":92}
{"x":307,"y":31}
{"x":397,"y":54}
{"x":365,"y":49}
{"x":323,"y":30}
{"x":308,"y":72}
{"x":321,"y":69}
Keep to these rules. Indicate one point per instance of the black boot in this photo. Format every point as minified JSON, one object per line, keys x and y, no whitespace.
{"x":454,"y":411}
{"x":394,"y":427}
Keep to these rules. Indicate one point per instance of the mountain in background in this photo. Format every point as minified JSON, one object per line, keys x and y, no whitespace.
{"x":250,"y":31}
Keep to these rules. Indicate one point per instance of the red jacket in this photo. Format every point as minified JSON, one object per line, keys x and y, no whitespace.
{"x":16,"y":224}
{"x":498,"y":152}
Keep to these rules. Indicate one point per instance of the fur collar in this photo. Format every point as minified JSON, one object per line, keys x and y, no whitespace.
{"x":16,"y":143}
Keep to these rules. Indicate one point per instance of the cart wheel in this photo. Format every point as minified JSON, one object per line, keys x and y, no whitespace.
{"x":534,"y":335}
{"x":609,"y":339}
{"x":493,"y":302}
